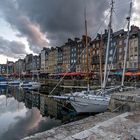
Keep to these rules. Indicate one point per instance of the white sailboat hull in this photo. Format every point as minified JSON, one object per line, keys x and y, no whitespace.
{"x":15,"y":82}
{"x":3,"y":83}
{"x":34,"y":86}
{"x":30,"y":85}
{"x":85,"y":105}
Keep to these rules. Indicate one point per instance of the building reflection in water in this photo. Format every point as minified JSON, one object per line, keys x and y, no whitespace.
{"x":48,"y":107}
{"x":20,"y":115}
{"x":23,"y":113}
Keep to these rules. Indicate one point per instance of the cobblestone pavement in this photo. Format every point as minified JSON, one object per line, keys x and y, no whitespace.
{"x":70,"y":129}
{"x":105,"y":126}
{"x":123,"y":127}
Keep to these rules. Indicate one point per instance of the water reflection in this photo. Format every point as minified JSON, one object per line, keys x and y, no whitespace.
{"x":20,"y":115}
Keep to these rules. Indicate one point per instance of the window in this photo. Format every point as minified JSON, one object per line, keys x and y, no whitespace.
{"x":111,"y":52}
{"x":112,"y":44}
{"x":135,"y":42}
{"x":97,"y":52}
{"x":135,"y":65}
{"x":124,"y":48}
{"x":120,"y":65}
{"x":135,"y":49}
{"x":120,"y":57}
{"x":120,"y":42}
{"x":120,"y":50}
{"x":110,"y":59}
{"x":131,"y":43}
{"x":125,"y":41}
{"x":136,"y":57}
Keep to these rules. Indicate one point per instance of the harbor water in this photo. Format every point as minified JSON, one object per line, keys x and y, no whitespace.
{"x":24,"y":113}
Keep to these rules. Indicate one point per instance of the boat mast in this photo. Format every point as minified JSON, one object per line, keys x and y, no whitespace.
{"x":108,"y":44}
{"x":127,"y":44}
{"x":7,"y":69}
{"x":100,"y":59}
{"x":86,"y":45}
{"x":19,"y":68}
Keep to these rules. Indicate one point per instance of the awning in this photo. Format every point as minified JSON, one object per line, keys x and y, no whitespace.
{"x":71,"y":74}
{"x":137,"y":73}
{"x":118,"y":73}
{"x":129,"y":74}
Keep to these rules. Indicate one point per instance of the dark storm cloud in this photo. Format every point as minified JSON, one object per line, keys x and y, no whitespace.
{"x":11,"y":48}
{"x":58,"y":20}
{"x":62,"y":19}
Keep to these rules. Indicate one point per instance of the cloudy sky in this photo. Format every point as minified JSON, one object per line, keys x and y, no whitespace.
{"x":26,"y":26}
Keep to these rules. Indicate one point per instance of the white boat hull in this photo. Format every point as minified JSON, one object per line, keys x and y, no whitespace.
{"x":3,"y":83}
{"x":35,"y":86}
{"x":85,"y":105}
{"x":31,"y":85}
{"x":15,"y":82}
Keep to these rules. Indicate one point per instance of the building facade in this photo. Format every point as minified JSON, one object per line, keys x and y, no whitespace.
{"x":66,"y":56}
{"x":59,"y":59}
{"x":75,"y":56}
{"x":44,"y":60}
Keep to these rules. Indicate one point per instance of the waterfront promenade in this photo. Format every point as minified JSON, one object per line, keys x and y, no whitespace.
{"x":105,"y":126}
{"x":122,"y":122}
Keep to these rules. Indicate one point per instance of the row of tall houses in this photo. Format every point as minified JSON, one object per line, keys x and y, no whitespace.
{"x":74,"y":56}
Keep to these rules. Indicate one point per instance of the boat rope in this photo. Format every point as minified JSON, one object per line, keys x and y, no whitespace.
{"x":102,"y":23}
{"x":124,"y":104}
{"x":118,"y":107}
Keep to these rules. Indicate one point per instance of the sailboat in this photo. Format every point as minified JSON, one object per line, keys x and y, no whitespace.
{"x":3,"y":81}
{"x":30,"y":85}
{"x":89,"y":100}
{"x":97,"y":101}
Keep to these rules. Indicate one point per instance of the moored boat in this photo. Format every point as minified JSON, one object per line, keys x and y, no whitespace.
{"x":3,"y":81}
{"x":31,"y":85}
{"x":14,"y":82}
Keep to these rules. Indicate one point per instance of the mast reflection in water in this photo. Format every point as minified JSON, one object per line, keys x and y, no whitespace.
{"x":20,"y":115}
